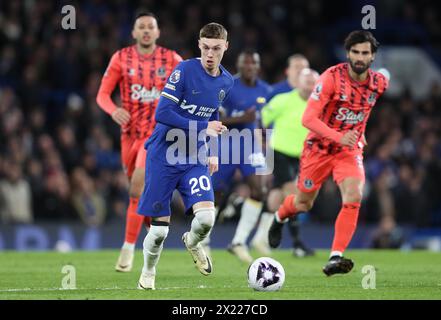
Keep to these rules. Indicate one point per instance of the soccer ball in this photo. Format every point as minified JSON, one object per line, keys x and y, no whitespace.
{"x":266,"y":274}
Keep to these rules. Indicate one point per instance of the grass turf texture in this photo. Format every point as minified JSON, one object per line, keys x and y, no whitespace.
{"x":37,"y":275}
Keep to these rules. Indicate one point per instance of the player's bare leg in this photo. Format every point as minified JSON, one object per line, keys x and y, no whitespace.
{"x":345,"y":225}
{"x":152,"y":248}
{"x":293,"y":204}
{"x":203,"y":222}
{"x":248,"y":218}
{"x":134,"y":222}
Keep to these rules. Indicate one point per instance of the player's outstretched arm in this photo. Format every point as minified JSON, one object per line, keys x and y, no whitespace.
{"x":166,"y":113}
{"x":109,"y":81}
{"x":320,"y":97}
{"x":311,"y":120}
{"x":313,"y":123}
{"x":169,"y":109}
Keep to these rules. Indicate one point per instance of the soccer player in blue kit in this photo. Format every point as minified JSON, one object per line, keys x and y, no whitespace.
{"x":296,"y":63}
{"x":189,"y":105}
{"x":242,"y":112}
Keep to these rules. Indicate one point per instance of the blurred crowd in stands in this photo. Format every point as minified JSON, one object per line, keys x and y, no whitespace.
{"x":59,"y":152}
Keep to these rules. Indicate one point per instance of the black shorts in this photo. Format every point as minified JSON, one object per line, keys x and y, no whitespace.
{"x":285,"y":169}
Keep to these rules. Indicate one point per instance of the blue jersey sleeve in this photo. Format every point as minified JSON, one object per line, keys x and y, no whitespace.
{"x":175,"y":86}
{"x":171,"y":97}
{"x":214,"y":116}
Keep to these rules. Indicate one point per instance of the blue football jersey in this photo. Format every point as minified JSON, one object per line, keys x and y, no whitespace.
{"x":238,"y":153}
{"x":280,"y":87}
{"x":190,"y":99}
{"x":243,"y":97}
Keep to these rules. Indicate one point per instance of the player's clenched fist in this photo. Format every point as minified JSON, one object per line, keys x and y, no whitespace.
{"x":350,"y":138}
{"x":215,"y":128}
{"x":121,"y":116}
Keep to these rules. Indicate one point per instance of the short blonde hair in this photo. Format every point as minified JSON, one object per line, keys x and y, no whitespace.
{"x":213,"y":31}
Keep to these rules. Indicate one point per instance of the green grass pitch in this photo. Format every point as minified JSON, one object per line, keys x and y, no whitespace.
{"x":38,"y":275}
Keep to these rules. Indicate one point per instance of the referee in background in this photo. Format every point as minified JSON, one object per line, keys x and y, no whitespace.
{"x":284,"y":112}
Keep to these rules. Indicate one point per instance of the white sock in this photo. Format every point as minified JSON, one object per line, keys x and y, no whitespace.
{"x":248,"y":218}
{"x":266,"y":219}
{"x":207,"y":240}
{"x":280,"y":220}
{"x":336,"y":253}
{"x":153,"y":244}
{"x":201,"y":226}
{"x":129,"y":246}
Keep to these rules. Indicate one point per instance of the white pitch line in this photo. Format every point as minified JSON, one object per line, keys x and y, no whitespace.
{"x":100,"y":289}
{"x":53,"y":289}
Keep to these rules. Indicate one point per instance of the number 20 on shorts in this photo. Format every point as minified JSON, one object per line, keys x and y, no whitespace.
{"x":197,"y":184}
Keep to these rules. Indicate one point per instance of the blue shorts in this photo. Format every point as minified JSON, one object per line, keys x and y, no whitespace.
{"x":161,"y":179}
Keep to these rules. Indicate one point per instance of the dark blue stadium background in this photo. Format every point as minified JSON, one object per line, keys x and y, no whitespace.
{"x":61,"y":152}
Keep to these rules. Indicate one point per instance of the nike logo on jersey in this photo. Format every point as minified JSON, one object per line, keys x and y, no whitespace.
{"x":195,"y":92}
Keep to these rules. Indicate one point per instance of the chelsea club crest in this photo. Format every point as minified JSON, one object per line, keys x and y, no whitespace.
{"x":221,"y":95}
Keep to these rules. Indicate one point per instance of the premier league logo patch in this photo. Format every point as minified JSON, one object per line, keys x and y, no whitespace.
{"x":316,"y":92}
{"x":161,"y":72}
{"x":175,"y":76}
{"x":308,"y":183}
{"x":221,"y":95}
